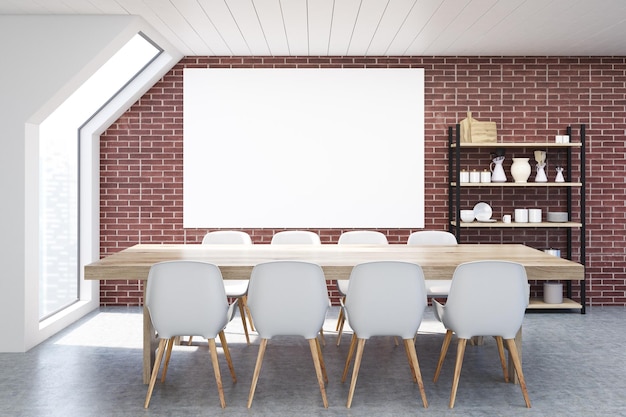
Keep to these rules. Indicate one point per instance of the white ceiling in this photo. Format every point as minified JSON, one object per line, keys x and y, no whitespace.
{"x":368,"y":27}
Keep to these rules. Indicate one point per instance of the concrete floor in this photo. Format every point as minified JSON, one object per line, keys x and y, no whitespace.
{"x":574,"y":366}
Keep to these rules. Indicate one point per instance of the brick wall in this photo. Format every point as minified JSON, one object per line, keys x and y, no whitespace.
{"x":531,"y":98}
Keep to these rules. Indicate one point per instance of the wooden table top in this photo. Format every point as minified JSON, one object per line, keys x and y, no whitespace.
{"x":237,"y":261}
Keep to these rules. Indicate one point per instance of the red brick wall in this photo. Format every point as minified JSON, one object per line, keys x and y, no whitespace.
{"x":531,"y":98}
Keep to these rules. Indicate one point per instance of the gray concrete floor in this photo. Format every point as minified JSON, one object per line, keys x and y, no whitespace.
{"x":574,"y":366}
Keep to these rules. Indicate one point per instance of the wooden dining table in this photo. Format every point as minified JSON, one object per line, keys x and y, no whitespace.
{"x":337,"y":261}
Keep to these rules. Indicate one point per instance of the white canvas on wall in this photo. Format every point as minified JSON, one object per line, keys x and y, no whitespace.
{"x":303,"y":148}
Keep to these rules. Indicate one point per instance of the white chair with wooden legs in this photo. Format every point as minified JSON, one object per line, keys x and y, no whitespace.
{"x":235,"y":288}
{"x":277,"y":312}
{"x":435,"y":288}
{"x":487,"y":298}
{"x":298,"y":237}
{"x":385,"y":298}
{"x":354,"y":237}
{"x":187,"y":298}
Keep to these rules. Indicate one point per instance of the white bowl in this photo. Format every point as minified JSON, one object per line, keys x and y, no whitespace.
{"x":467,"y":215}
{"x":557,"y":216}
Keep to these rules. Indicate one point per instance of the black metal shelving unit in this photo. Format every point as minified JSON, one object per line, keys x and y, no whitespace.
{"x":455,"y":148}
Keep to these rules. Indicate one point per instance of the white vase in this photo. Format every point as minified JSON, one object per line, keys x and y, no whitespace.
{"x":520,"y":169}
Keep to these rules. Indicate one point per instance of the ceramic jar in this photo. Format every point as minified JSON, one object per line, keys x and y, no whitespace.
{"x":520,"y":169}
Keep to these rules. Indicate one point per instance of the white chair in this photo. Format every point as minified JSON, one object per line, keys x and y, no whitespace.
{"x":434,"y":287}
{"x":237,"y":288}
{"x":385,"y":298}
{"x":296,"y":237}
{"x":354,"y":237}
{"x":487,"y":298}
{"x":187,"y":298}
{"x":277,"y":313}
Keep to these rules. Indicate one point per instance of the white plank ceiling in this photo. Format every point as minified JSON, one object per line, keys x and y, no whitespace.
{"x":368,"y":27}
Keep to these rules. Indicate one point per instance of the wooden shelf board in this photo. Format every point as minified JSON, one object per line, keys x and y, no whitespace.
{"x":519,"y":145}
{"x":513,"y":225}
{"x":518,"y":184}
{"x":537,"y":303}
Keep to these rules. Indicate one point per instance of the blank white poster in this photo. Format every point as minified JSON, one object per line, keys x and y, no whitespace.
{"x":303,"y":148}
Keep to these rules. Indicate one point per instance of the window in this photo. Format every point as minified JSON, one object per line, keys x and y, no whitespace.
{"x":59,"y":274}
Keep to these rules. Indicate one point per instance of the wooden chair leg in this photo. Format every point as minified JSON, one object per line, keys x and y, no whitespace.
{"x":322,"y":364}
{"x":442,"y":355}
{"x":341,"y":321}
{"x":257,"y":370}
{"x":349,"y":358}
{"x":457,"y":369}
{"x":517,"y":363}
{"x":340,"y":318}
{"x":155,"y":371}
{"x":502,"y":357}
{"x":168,"y":355}
{"x":340,"y":327}
{"x":243,"y":318}
{"x":229,"y":360}
{"x":415,"y":368}
{"x":245,"y":304}
{"x":355,"y":371}
{"x":322,"y":338}
{"x":317,"y":363}
{"x":408,"y":356}
{"x":216,"y":370}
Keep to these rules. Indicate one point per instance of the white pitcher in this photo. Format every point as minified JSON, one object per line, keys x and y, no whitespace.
{"x":497,"y":171}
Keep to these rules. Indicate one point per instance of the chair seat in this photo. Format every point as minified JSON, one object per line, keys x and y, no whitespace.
{"x":438,"y":287}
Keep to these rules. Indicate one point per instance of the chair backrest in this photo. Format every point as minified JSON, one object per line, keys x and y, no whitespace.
{"x":361,"y":237}
{"x":186,"y":298}
{"x":288,"y":298}
{"x":487,"y":298}
{"x":386,"y":298}
{"x":227,"y":237}
{"x":431,"y":237}
{"x":296,"y":237}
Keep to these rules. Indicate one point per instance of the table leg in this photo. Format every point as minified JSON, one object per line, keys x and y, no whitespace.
{"x":149,"y":345}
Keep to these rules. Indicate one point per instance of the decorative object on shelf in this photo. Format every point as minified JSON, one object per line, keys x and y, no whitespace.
{"x":552,"y":292}
{"x":520,"y":169}
{"x":478,"y":132}
{"x":534,"y":215}
{"x":506,"y":218}
{"x":557,"y":216}
{"x":474,"y":176}
{"x":559,"y":175}
{"x":540,"y":157}
{"x":485,"y":176}
{"x":497,"y":171}
{"x":521,"y":215}
{"x":467,"y":216}
{"x":483,"y":212}
{"x":464,"y":177}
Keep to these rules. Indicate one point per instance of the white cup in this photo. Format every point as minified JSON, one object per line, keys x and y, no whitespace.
{"x":534,"y":215}
{"x":521,"y":215}
{"x":506,"y":218}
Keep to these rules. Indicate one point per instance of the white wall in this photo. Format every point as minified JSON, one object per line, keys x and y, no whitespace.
{"x":45,"y":58}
